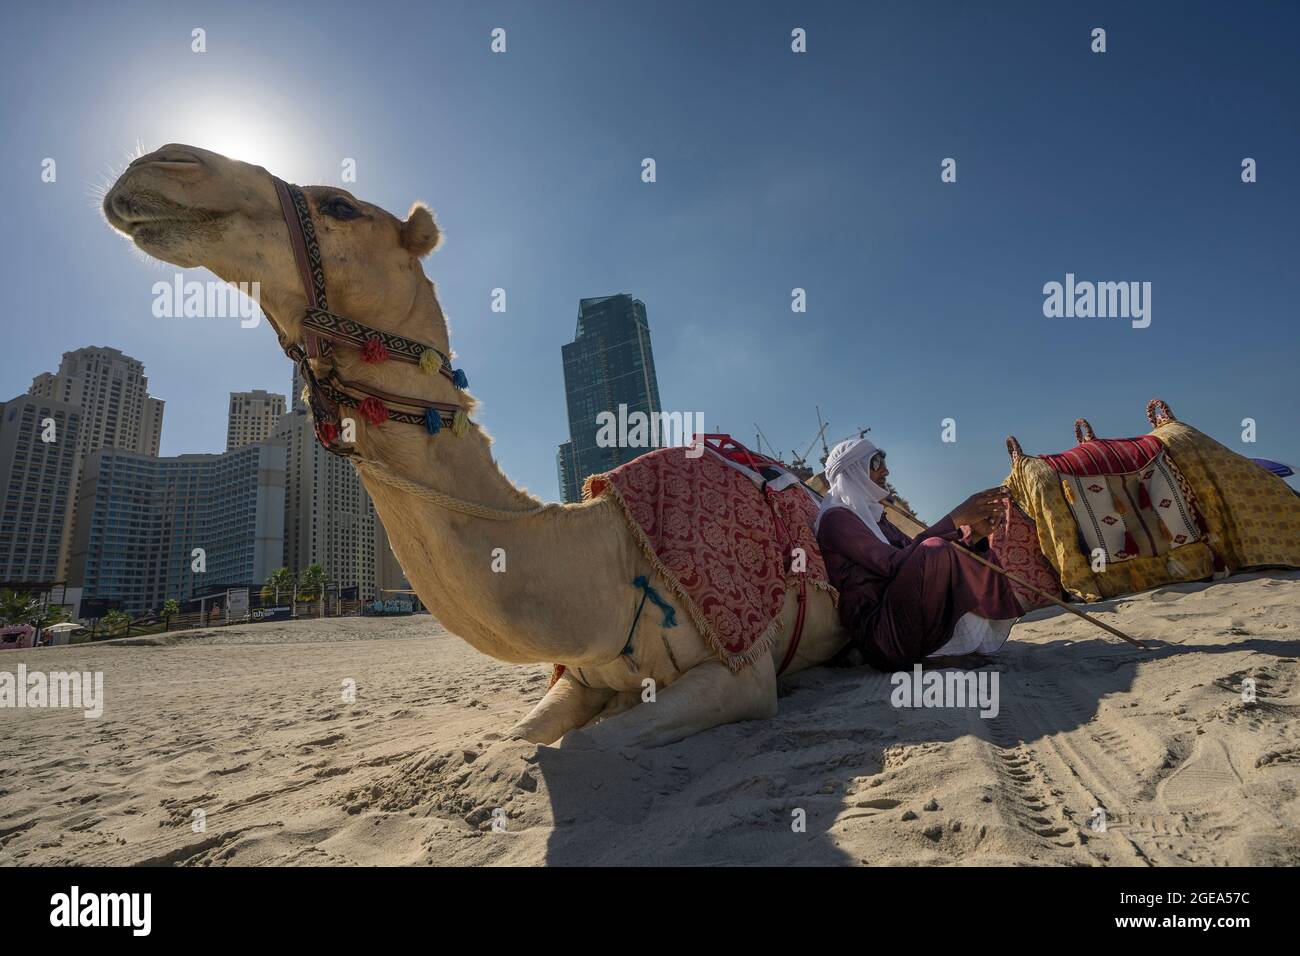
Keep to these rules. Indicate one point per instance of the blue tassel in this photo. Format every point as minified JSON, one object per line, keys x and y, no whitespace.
{"x":458,"y":378}
{"x":432,"y":421}
{"x":670,"y":615}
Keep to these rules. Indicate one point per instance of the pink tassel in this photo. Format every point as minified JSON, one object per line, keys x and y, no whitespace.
{"x":373,"y":410}
{"x":374,"y":351}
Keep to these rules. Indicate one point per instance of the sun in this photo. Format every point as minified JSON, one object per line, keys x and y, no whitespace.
{"x":252,"y":128}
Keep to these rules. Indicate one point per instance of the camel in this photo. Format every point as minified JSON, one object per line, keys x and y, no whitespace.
{"x":566,"y":595}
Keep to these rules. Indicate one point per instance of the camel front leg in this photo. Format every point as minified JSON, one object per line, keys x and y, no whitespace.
{"x":708,"y":695}
{"x":565,"y":706}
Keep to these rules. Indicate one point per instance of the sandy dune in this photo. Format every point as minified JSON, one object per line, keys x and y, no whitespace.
{"x":249,"y":725}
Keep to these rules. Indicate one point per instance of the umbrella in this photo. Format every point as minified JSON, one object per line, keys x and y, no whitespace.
{"x":65,"y":626}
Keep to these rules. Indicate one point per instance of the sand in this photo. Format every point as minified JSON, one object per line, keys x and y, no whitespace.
{"x":248,"y":725}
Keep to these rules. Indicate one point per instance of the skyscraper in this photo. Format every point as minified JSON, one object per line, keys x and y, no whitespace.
{"x":38,"y":464}
{"x":140,"y":519}
{"x":112,"y":393}
{"x":253,"y":417}
{"x":608,"y":364}
{"x":328,"y":517}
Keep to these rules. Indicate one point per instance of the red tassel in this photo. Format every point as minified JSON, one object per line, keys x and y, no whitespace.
{"x":1130,"y":546}
{"x":373,"y":410}
{"x":1144,"y":499}
{"x":374,"y":351}
{"x":327,"y":432}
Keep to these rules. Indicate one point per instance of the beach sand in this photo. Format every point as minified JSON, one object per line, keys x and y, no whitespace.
{"x":248,"y":724}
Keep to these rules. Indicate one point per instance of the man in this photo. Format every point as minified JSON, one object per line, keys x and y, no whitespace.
{"x":907,"y":599}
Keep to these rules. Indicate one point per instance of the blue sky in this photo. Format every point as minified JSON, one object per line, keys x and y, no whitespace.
{"x":775,"y":171}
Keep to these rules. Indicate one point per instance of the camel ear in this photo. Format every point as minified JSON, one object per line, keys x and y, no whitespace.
{"x":420,"y":233}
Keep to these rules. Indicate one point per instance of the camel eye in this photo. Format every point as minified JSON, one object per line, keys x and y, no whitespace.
{"x":337,"y":208}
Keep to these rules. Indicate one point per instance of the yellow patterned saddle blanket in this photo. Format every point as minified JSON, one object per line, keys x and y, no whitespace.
{"x":1123,"y":515}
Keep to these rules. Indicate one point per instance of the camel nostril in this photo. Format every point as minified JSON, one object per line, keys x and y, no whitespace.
{"x":168,"y":158}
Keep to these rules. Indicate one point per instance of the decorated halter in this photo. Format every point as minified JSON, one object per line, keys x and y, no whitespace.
{"x":323,"y":329}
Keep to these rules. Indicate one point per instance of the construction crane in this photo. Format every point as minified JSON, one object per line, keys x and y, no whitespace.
{"x":762,"y":439}
{"x":800,"y":462}
{"x":862,"y":433}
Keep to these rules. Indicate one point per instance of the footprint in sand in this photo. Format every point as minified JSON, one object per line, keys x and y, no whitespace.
{"x":1200,"y":782}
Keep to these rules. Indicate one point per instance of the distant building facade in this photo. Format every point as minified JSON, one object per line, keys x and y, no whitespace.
{"x":252,"y":417}
{"x":328,"y":517}
{"x":39,"y":438}
{"x":117,"y":411}
{"x":570,"y":487}
{"x":608,"y":364}
{"x":112,"y":391}
{"x":140,"y":518}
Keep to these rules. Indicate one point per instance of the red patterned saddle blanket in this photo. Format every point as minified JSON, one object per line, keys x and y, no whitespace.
{"x":712,"y":535}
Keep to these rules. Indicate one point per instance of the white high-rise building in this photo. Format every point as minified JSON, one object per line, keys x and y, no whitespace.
{"x":113,"y":393}
{"x":253,"y":417}
{"x":38,"y":462}
{"x":117,"y":411}
{"x":328,"y":517}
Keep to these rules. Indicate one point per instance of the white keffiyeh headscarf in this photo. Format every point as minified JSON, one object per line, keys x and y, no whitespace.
{"x":848,"y":471}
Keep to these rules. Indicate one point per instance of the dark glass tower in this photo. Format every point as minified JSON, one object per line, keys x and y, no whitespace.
{"x":609,"y":363}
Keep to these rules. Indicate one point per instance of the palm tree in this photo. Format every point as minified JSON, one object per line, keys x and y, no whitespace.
{"x":281,"y":580}
{"x":311,"y":583}
{"x":114,"y":622}
{"x":16,"y":607}
{"x":19,"y":607}
{"x":170,"y":608}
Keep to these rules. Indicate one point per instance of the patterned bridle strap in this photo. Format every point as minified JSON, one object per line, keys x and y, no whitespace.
{"x":344,"y":331}
{"x":321,"y":327}
{"x":446,"y":412}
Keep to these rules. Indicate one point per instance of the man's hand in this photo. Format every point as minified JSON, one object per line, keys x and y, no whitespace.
{"x":981,"y":511}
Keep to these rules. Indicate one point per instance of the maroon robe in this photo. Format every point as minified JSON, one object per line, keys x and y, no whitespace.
{"x":900,"y":601}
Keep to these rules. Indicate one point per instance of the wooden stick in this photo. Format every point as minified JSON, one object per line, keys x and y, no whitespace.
{"x":1059,"y":603}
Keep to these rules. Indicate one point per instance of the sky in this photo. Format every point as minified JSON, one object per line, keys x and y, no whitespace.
{"x":775,"y":170}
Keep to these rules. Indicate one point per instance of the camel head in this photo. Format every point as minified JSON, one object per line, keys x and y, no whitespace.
{"x":192,"y":207}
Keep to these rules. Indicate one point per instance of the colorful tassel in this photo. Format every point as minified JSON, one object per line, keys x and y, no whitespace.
{"x":373,"y":410}
{"x":1119,"y":505}
{"x":1069,"y":495}
{"x":459,"y":422}
{"x":1144,"y":499}
{"x":327,"y":432}
{"x":374,"y":351}
{"x":1164,"y":530}
{"x":459,"y":379}
{"x":432,"y":420}
{"x":430,"y":361}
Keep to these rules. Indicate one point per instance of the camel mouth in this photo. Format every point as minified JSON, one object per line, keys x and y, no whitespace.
{"x":136,"y":212}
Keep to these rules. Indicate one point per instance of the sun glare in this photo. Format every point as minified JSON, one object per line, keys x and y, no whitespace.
{"x":247,"y":129}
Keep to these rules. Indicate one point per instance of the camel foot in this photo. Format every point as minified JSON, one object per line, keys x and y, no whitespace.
{"x":708,"y":695}
{"x":565,"y":707}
